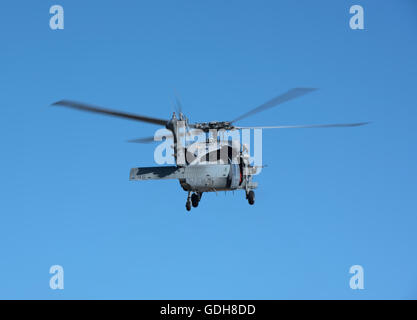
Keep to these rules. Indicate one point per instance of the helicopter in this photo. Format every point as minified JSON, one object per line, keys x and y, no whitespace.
{"x":211,"y":165}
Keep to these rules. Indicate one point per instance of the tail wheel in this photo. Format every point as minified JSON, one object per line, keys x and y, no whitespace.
{"x":188,"y":206}
{"x":251,"y":197}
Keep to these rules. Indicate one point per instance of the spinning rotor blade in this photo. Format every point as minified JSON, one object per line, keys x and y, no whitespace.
{"x":90,"y":108}
{"x":338,"y":125}
{"x":289,"y":95}
{"x":178,"y":102}
{"x":144,"y":140}
{"x":159,"y":138}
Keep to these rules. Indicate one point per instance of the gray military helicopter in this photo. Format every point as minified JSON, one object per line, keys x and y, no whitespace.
{"x":210,"y":166}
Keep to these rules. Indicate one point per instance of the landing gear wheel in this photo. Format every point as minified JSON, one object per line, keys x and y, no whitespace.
{"x":188,"y":203}
{"x":251,"y":197}
{"x":195,"y":199}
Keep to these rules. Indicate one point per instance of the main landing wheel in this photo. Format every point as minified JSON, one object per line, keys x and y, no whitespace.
{"x":195,"y":199}
{"x":188,"y":203}
{"x":251,"y":197}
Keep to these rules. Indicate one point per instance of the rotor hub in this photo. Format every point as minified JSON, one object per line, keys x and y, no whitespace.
{"x":214,"y":125}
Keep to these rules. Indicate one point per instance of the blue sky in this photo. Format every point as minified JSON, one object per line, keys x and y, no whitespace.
{"x":329,"y":198}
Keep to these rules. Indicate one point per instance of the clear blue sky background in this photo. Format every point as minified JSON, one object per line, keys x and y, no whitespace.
{"x":329,"y":199}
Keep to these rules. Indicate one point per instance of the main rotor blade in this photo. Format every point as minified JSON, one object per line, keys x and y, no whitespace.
{"x":178,"y":102}
{"x":337,"y":125}
{"x":90,"y":108}
{"x":168,"y":136}
{"x":143,"y":140}
{"x":289,"y":95}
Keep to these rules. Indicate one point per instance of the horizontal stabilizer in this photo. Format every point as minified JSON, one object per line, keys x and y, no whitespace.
{"x":188,"y":172}
{"x":156,"y":173}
